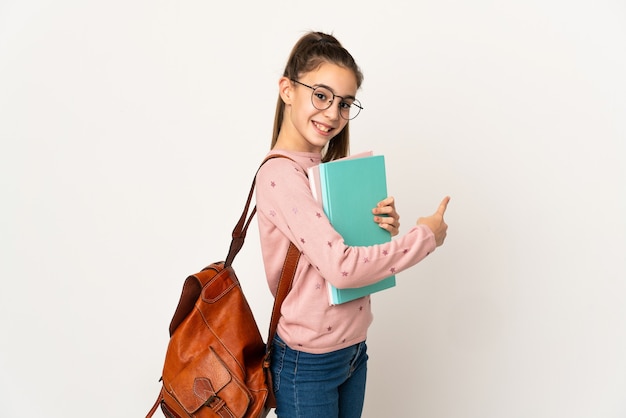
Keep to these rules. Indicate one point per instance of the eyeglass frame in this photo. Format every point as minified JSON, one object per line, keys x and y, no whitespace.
{"x":332,"y":100}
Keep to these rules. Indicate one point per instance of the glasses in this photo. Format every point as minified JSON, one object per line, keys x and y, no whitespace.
{"x":322,"y":98}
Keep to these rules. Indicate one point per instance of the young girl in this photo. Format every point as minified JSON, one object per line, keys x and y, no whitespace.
{"x":319,"y":359}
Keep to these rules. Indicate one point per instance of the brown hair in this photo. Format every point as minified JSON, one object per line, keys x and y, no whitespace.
{"x":312,"y":50}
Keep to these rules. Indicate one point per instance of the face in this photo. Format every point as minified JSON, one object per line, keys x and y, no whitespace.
{"x":304,"y":127}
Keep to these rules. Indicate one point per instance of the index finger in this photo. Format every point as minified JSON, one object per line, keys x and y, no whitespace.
{"x":443,"y":205}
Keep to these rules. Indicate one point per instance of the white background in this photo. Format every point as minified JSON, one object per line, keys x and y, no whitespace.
{"x":130,"y":131}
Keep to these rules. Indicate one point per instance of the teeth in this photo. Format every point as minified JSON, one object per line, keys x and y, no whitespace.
{"x":322,"y":127}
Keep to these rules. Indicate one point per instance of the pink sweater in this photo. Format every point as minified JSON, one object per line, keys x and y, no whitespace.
{"x":286,"y":211}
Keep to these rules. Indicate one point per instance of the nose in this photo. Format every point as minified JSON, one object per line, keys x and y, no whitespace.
{"x":333,"y":110}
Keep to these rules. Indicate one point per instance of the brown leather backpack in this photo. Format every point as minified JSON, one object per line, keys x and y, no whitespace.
{"x":217,"y":364}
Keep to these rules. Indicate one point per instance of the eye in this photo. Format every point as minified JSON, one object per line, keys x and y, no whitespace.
{"x":345,"y":105}
{"x":320,"y":95}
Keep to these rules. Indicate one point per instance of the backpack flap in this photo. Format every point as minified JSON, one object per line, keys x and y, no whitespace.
{"x":194,"y":389}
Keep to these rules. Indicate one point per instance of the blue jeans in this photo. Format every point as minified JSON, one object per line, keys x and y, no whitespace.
{"x":328,"y":385}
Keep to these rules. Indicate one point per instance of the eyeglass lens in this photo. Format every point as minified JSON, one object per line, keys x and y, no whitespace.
{"x":322,"y":99}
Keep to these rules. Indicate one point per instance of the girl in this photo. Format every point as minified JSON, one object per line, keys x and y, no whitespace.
{"x":319,"y":358}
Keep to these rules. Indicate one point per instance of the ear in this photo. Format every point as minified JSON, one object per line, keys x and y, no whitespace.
{"x":285,"y":89}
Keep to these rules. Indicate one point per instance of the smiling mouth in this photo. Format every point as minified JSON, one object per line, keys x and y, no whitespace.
{"x":322,"y":128}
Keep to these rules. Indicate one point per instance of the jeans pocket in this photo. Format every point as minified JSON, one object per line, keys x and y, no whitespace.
{"x":279,"y":348}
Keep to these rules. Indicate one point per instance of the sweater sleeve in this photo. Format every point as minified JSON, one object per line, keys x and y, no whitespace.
{"x":284,"y":198}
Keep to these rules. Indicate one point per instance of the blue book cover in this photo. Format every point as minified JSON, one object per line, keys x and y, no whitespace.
{"x":349,"y":189}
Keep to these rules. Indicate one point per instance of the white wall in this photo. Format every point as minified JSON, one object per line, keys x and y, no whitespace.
{"x":130,"y":131}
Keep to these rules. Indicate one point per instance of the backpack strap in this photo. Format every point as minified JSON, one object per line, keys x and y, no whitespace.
{"x":240,"y":230}
{"x":193,"y":287}
{"x":156,"y":405}
{"x":291,"y":259}
{"x":289,"y":266}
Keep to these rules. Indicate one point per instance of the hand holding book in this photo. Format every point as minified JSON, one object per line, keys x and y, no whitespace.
{"x":386,"y":216}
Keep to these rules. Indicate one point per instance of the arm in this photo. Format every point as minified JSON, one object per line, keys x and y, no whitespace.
{"x":285,"y":201}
